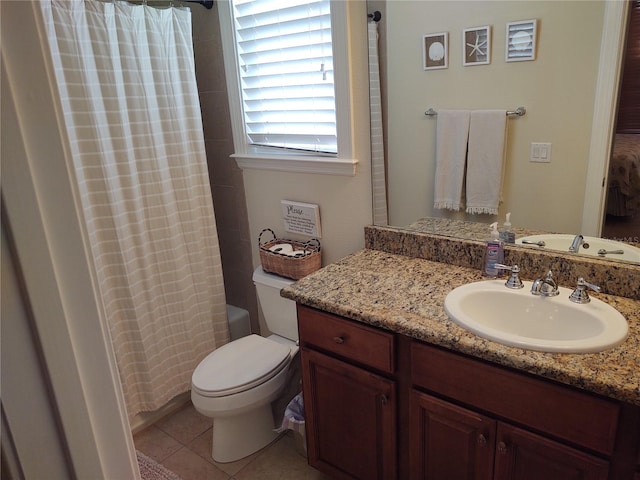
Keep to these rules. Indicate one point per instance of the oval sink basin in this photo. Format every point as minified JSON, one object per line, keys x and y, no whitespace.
{"x":547,"y":324}
{"x":592,"y":246}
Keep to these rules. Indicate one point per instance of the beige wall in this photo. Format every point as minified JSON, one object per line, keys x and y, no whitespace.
{"x":557,"y":89}
{"x":227,"y":186}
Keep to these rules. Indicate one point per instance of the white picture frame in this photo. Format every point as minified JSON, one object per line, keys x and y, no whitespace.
{"x":435,"y":51}
{"x":520,"y":41}
{"x":476,"y":46}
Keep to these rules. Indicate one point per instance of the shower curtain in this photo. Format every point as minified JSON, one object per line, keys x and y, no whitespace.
{"x":378,"y":175}
{"x":126,"y":81}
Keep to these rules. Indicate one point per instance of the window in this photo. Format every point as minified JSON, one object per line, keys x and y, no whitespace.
{"x":286,"y":73}
{"x":285,"y":100}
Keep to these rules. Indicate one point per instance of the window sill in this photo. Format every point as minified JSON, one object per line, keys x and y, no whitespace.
{"x":322,"y":165}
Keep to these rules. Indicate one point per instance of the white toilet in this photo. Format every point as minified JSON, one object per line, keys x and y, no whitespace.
{"x":236,"y":383}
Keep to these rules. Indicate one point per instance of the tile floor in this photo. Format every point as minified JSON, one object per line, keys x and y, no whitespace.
{"x":182,"y":443}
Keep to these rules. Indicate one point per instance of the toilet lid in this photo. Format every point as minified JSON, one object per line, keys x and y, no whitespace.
{"x":239,"y":366}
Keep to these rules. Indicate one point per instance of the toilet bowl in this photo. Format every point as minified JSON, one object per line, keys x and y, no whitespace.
{"x":236,"y":384}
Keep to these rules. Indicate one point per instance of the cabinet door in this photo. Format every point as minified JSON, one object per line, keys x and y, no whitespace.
{"x":350,"y":417}
{"x":449,"y":442}
{"x":521,"y":455}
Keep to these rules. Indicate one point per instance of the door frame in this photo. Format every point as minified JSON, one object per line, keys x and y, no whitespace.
{"x":604,"y":115}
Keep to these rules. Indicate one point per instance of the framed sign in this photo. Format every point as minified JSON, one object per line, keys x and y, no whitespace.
{"x":435,"y":51}
{"x":476,"y":46}
{"x":520,"y":42}
{"x":303,"y":218}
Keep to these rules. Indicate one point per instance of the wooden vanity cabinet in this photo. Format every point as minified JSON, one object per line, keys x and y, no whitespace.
{"x":449,"y":442}
{"x":531,"y":428}
{"x":349,"y":397}
{"x":379,"y":405}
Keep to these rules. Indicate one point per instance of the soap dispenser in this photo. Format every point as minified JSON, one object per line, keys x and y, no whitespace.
{"x":506,"y":235}
{"x":493,"y":253}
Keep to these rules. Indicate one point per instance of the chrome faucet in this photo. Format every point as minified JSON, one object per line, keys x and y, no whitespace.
{"x":545,"y":287}
{"x":576,"y":244}
{"x":580,"y":294}
{"x":514,"y":280}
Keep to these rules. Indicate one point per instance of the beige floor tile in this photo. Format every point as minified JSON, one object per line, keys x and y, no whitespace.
{"x":185,"y":425}
{"x":155,"y":443}
{"x":202,"y":445}
{"x":280,"y":462}
{"x":191,"y":466}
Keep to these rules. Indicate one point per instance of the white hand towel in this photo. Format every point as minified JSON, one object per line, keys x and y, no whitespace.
{"x":452,"y":133}
{"x":485,"y":161}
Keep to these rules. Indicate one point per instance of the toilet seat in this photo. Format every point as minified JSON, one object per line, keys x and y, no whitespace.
{"x":239,"y":366}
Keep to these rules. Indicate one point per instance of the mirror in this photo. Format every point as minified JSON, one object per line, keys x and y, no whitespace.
{"x":558,"y":90}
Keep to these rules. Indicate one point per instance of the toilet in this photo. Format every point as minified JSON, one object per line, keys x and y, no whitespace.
{"x":236,"y":383}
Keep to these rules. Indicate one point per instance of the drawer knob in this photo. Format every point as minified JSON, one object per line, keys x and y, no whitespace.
{"x":502,"y":448}
{"x":482,"y":440}
{"x":338,"y":339}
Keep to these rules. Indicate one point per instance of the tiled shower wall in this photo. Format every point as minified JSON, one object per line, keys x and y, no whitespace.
{"x":226,"y":179}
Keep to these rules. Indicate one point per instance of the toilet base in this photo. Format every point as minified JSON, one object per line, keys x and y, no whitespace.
{"x":239,"y":436}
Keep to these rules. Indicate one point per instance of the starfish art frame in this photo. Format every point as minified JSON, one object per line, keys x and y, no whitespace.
{"x":476,"y":46}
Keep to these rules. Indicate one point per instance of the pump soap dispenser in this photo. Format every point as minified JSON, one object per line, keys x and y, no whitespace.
{"x":506,"y":235}
{"x":493,"y":253}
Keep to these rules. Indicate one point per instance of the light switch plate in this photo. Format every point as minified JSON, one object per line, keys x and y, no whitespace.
{"x":540,"y":152}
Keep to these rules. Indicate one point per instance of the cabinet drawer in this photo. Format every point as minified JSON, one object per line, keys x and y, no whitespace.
{"x":559,"y":411}
{"x":357,"y":342}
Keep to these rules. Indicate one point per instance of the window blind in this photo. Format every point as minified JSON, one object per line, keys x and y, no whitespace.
{"x":286,"y":68}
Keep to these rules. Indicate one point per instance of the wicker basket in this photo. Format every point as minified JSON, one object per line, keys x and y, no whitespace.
{"x":294,"y":267}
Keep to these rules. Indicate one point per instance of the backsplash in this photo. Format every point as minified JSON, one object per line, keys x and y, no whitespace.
{"x":614,"y":278}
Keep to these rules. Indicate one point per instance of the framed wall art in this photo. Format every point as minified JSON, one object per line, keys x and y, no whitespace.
{"x":435,"y":51}
{"x":520,"y":42}
{"x":476,"y":46}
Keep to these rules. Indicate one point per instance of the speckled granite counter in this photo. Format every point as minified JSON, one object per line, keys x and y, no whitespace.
{"x":406,"y":295}
{"x":614,"y":277}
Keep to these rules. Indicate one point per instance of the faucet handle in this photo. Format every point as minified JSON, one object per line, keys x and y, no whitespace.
{"x":580,"y":294}
{"x":514,"y":280}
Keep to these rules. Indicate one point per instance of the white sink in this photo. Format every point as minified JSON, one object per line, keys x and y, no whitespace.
{"x":591,"y":246}
{"x":547,"y":324}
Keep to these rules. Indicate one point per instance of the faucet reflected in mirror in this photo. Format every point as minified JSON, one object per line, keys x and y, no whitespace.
{"x":558,"y":95}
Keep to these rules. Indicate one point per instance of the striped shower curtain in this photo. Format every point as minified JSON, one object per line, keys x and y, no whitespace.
{"x":378,"y":168}
{"x":129,"y":103}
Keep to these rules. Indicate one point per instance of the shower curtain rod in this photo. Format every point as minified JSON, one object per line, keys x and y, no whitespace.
{"x":208,"y":4}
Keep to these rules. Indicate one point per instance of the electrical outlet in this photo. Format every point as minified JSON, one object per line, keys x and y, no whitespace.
{"x":540,"y":152}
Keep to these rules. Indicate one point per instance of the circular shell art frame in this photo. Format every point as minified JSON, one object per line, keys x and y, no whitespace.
{"x":435,"y":51}
{"x":520,"y":44}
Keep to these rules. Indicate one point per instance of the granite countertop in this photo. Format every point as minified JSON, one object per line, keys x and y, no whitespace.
{"x":406,"y":295}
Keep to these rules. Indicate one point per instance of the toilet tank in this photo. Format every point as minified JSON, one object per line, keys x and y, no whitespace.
{"x":279,"y":313}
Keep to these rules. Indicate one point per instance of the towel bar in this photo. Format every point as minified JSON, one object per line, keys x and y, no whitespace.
{"x":518,"y":112}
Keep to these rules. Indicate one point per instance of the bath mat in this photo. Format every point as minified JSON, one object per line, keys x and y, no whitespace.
{"x":152,"y":470}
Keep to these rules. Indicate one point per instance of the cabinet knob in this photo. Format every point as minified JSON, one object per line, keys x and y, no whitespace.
{"x":502,"y":448}
{"x":384,"y":400}
{"x":338,"y":339}
{"x":482,"y":440}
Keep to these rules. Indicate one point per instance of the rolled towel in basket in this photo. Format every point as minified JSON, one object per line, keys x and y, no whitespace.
{"x":284,"y":248}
